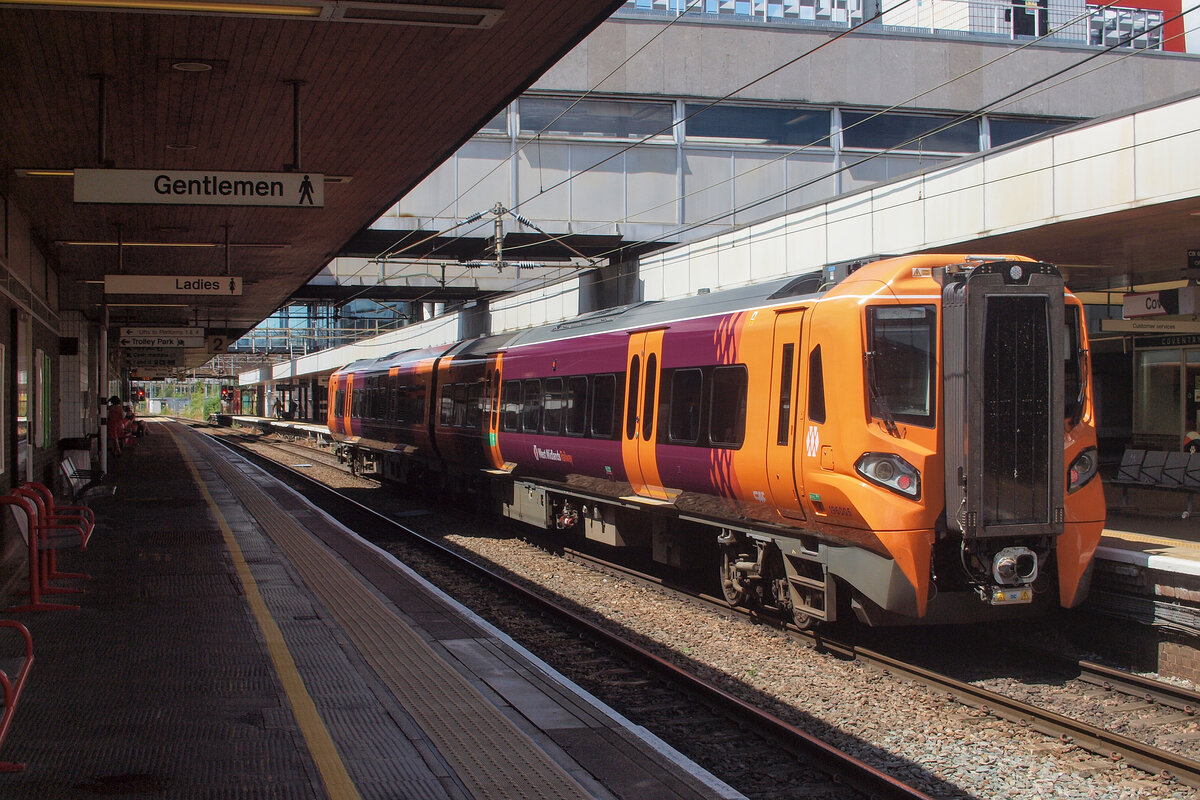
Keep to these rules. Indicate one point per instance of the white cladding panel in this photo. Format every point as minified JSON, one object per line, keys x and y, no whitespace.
{"x":1018,"y":187}
{"x":850,"y":227}
{"x":759,"y":176}
{"x":898,"y":216}
{"x":650,"y":185}
{"x":707,"y":185}
{"x":768,"y":251}
{"x":598,"y":185}
{"x":733,"y":259}
{"x":541,"y":166}
{"x":807,"y":244}
{"x":483,"y":177}
{"x":546,"y":304}
{"x":1094,"y":168}
{"x":1167,"y":148}
{"x":953,"y":202}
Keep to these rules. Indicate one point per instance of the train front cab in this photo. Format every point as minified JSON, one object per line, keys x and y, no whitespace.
{"x":1014,"y":450}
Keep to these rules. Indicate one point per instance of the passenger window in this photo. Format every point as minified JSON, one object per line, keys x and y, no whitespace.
{"x":604,"y":406}
{"x":685,"y":406}
{"x":512,"y":406}
{"x":575,"y":403}
{"x":460,"y":405}
{"x":635,"y":375}
{"x":648,"y":405}
{"x":531,"y":406}
{"x":447,"y":406}
{"x":816,"y":387}
{"x":418,"y":405}
{"x":552,"y":403}
{"x":785,"y":393}
{"x":727,"y":412}
{"x":475,"y":400}
{"x":339,"y":404}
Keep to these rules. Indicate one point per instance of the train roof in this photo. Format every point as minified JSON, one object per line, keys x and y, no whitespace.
{"x":657,"y":312}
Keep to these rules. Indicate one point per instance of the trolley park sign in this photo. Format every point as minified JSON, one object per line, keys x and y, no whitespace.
{"x":196,"y":188}
{"x":173,"y":284}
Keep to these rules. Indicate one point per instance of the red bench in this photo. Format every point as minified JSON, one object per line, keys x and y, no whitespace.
{"x":13,"y":672}
{"x":43,"y":539}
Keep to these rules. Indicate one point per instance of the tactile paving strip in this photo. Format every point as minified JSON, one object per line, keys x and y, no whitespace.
{"x":492,"y":757}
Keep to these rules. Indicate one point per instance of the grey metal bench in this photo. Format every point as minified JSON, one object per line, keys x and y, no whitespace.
{"x":1159,"y":469}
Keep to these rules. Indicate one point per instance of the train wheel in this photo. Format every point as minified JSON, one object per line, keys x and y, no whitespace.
{"x":731,"y":580}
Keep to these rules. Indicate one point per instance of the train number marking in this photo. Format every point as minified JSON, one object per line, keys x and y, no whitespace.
{"x":813,"y":441}
{"x":760,"y":497}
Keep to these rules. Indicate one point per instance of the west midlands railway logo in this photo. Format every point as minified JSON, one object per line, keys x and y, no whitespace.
{"x":813,"y":441}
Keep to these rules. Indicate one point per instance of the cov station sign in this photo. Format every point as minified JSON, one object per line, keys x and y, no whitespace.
{"x":192,"y":188}
{"x":1184,"y":300}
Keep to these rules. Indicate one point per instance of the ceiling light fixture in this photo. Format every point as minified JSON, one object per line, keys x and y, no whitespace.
{"x":191,"y":66}
{"x":262,"y":245}
{"x":265,"y":9}
{"x":383,"y":13}
{"x":44,"y":173}
{"x":181,"y":147}
{"x":137,"y":244}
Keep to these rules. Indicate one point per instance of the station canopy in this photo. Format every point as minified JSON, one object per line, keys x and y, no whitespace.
{"x":192,"y":164}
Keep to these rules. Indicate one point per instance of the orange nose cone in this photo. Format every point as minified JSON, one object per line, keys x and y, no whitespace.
{"x":912,"y":552}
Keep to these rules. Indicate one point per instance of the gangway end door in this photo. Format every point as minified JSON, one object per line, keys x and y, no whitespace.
{"x":783,"y":466}
{"x":493,"y":412}
{"x":640,"y":430}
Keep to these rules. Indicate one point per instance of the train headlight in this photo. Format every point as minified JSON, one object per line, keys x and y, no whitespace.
{"x":891,"y":472}
{"x":1082,"y":470}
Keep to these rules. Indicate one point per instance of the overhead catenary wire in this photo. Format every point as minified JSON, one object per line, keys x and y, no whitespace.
{"x":1000,"y":102}
{"x":968,"y":116}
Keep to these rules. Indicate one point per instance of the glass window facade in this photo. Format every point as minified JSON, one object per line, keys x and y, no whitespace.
{"x":611,"y":119}
{"x":874,"y":131}
{"x":799,"y":127}
{"x":1158,"y":398}
{"x":1005,"y":131}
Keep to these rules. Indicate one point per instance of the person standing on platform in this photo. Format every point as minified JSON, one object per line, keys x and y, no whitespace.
{"x":115,"y":421}
{"x":277,"y":409}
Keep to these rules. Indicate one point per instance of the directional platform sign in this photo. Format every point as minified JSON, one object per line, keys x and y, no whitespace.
{"x":154,"y":357}
{"x":154,"y":330}
{"x":161,"y":341}
{"x":173,"y":284}
{"x":197,"y":188}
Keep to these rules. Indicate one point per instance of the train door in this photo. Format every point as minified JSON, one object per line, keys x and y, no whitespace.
{"x":783,"y":469}
{"x":492,"y":412}
{"x":640,"y":432}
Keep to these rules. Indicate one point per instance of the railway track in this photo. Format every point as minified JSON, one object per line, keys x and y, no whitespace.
{"x":760,"y":754}
{"x":1140,"y":693}
{"x":1180,"y":704}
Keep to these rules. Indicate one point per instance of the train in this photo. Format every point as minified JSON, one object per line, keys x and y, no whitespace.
{"x":908,"y":440}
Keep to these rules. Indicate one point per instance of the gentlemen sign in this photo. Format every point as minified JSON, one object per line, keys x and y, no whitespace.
{"x":194,"y":188}
{"x":172,"y":284}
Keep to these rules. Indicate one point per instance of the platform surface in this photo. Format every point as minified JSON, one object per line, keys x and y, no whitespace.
{"x":235,"y":642}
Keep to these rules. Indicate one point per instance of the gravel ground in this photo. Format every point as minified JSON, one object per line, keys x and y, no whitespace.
{"x":983,"y":756}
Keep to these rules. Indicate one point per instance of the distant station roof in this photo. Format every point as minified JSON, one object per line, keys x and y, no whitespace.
{"x":203,"y":121}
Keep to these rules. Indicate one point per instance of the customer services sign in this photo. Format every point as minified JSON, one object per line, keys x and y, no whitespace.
{"x":204,"y":188}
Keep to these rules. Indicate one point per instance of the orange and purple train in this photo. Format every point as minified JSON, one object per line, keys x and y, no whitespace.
{"x":913,"y":443}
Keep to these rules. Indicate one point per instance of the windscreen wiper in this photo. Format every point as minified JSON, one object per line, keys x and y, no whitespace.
{"x":877,"y":401}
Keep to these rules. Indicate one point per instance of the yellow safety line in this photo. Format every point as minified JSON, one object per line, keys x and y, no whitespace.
{"x":316,"y":735}
{"x":1146,"y":538}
